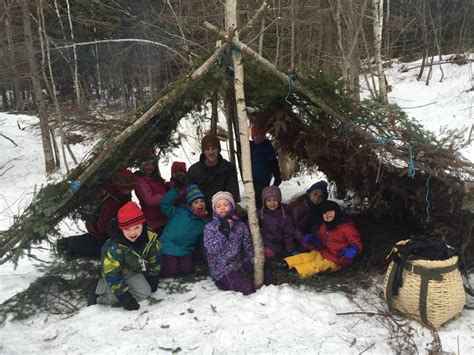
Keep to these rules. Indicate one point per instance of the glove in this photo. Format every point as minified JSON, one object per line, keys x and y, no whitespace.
{"x":311,"y":239}
{"x":127,"y":301}
{"x":153,"y":281}
{"x":350,"y":252}
{"x":224,"y":227}
{"x":269,"y":254}
{"x":308,"y":238}
{"x":177,"y":183}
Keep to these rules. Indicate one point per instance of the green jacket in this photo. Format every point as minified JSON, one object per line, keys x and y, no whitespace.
{"x":120,"y":256}
{"x":184,"y":229}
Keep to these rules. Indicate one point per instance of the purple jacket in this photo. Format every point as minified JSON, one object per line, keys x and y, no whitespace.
{"x":277,"y":230}
{"x":150,"y":191}
{"x":227,"y":254}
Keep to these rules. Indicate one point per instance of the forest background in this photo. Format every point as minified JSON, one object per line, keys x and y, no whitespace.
{"x":77,"y":63}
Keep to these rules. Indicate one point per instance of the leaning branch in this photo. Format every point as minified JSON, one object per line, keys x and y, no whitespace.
{"x":256,"y":19}
{"x":14,"y":235}
{"x":137,"y":40}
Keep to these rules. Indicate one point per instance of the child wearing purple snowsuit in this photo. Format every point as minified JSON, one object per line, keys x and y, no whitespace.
{"x":276,"y":225}
{"x":229,"y":247}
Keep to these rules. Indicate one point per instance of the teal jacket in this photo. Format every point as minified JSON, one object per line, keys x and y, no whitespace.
{"x":184,"y":229}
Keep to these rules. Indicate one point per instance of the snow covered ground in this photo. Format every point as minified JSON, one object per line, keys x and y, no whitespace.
{"x":203,"y":320}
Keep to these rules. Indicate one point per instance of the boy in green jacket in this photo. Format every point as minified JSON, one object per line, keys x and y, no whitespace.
{"x":183,"y":231}
{"x":130,"y":260}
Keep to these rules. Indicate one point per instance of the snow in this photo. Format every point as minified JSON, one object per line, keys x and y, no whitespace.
{"x":201,"y":319}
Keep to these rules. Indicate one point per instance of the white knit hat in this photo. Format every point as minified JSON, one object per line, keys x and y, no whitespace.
{"x":222,"y":195}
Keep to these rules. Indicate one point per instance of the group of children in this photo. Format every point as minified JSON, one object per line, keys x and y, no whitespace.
{"x":135,"y":256}
{"x":177,"y":218}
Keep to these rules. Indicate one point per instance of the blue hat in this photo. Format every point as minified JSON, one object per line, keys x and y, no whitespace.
{"x":320,"y":185}
{"x":193,"y":193}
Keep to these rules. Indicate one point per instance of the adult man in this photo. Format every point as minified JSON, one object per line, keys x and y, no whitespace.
{"x":212,"y":173}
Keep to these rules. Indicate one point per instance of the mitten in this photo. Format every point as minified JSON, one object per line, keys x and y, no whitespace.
{"x":308,"y":238}
{"x":350,"y":252}
{"x":269,"y":254}
{"x":224,"y":227}
{"x":153,"y":281}
{"x":127,"y":301}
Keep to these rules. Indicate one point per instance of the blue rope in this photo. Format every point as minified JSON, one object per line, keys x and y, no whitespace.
{"x":385,"y":141}
{"x":237,"y":46}
{"x":221,"y":54}
{"x":74,"y":185}
{"x":292,"y":83}
{"x":411,"y":163}
{"x":426,"y":196}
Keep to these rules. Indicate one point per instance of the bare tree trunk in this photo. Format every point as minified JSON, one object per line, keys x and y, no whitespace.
{"x":378,"y":25}
{"x":231,"y":24}
{"x":52,"y":89}
{"x":17,"y":98}
{"x":260,"y":38}
{"x":214,"y":115}
{"x":229,"y":106}
{"x":43,"y":117}
{"x":77,"y":87}
{"x":292,"y":44}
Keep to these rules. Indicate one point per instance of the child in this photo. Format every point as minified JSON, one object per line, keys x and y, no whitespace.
{"x":276,"y":226}
{"x":109,"y":200}
{"x":306,"y":214}
{"x":264,"y":163}
{"x":229,"y":246}
{"x":183,"y":231}
{"x":177,"y":181}
{"x":150,"y":190}
{"x":337,"y":245}
{"x":130,"y":260}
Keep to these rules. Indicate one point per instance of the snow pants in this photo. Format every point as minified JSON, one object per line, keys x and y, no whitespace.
{"x":83,"y":245}
{"x":139,"y":289}
{"x":308,"y":264}
{"x":172,"y":266}
{"x":237,"y":280}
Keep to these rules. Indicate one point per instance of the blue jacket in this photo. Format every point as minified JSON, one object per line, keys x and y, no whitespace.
{"x":264,"y":162}
{"x":184,"y":229}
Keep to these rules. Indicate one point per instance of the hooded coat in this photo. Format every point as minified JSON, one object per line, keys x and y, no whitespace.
{"x":121,"y":256}
{"x":150,"y":190}
{"x":227,"y":253}
{"x":184,"y":229}
{"x":278,"y":230}
{"x":113,"y":200}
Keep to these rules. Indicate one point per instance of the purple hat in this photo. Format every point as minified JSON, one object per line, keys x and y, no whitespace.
{"x":271,"y":191}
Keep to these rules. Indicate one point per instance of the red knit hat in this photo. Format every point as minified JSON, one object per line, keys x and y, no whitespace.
{"x":256,"y":130}
{"x":178,"y":165}
{"x":130,"y":215}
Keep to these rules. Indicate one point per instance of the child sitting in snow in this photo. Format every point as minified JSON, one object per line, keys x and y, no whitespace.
{"x":229,"y":246}
{"x":276,"y":226}
{"x":130,"y":260}
{"x":306,"y":214}
{"x":337,"y":244}
{"x":183,"y":231}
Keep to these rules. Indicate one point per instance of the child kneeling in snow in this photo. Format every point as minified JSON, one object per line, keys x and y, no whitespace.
{"x":229,"y":247}
{"x":276,"y":225}
{"x":183,"y":231}
{"x":336,"y":246}
{"x":130,"y":260}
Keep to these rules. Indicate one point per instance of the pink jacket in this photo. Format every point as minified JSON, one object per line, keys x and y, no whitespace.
{"x":150,"y":191}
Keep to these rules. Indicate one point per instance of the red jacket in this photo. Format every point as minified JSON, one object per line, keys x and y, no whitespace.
{"x":113,"y":200}
{"x":150,"y":191}
{"x":334,"y":241}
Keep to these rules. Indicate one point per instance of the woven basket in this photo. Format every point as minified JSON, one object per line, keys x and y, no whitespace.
{"x":432,"y":301}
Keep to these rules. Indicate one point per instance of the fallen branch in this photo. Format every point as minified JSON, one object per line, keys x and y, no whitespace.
{"x":11,"y":140}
